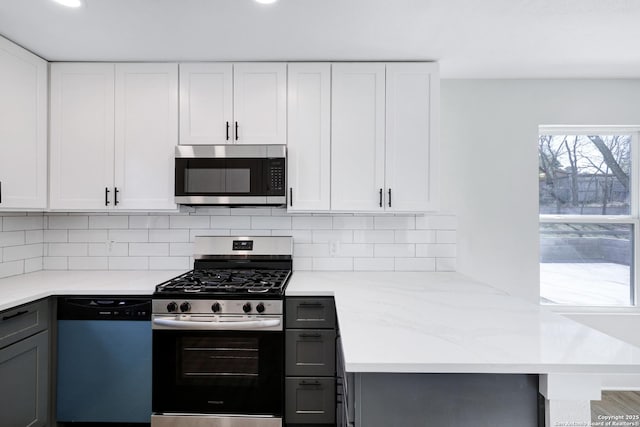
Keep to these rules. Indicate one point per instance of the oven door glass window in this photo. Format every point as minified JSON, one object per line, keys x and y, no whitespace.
{"x":232,"y":372}
{"x":219,"y":177}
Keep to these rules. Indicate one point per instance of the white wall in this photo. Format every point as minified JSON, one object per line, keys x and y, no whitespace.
{"x":489,"y":134}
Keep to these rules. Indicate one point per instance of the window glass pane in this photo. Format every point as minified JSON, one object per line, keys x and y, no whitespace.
{"x":586,"y":264}
{"x":584,"y":174}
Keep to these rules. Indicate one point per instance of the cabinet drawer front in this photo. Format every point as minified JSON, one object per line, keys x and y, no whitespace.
{"x":310,"y":352}
{"x":310,"y":401}
{"x":20,"y":322}
{"x":310,"y":313}
{"x":24,"y":373}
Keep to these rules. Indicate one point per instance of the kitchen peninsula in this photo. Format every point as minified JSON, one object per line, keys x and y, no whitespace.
{"x":415,"y":323}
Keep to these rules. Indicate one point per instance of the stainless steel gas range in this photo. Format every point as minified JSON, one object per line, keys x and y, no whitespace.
{"x":218,"y":340}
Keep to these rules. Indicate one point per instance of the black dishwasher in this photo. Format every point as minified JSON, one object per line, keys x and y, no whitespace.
{"x":104,"y":359}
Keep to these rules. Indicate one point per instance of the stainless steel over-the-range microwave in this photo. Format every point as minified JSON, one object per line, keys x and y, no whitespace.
{"x":230,"y":175}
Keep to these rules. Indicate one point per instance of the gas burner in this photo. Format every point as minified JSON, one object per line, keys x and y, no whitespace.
{"x":216,"y":281}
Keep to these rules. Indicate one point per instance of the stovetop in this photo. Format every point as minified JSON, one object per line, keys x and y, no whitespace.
{"x":222,"y":282}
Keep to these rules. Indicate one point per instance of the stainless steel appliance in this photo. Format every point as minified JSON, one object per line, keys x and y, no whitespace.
{"x":218,"y":340}
{"x":230,"y":175}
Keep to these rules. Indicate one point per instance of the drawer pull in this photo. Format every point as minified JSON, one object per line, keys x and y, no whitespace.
{"x":20,"y":313}
{"x":307,"y":335}
{"x":311,"y":304}
{"x":309,"y":383}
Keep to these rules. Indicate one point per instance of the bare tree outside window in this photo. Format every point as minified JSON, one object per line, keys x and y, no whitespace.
{"x":584,"y":174}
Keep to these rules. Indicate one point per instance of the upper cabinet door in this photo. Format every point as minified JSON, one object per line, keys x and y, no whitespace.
{"x":260,"y":96}
{"x":82,"y":121}
{"x":206,"y":106}
{"x":357,"y":142}
{"x":23,"y":128}
{"x":411,"y":136}
{"x":146,"y":133}
{"x":309,"y":139}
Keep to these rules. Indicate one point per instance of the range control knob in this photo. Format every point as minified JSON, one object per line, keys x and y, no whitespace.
{"x":185,"y":306}
{"x":246,"y":307}
{"x":260,"y":308}
{"x":215,"y":307}
{"x":171,"y":307}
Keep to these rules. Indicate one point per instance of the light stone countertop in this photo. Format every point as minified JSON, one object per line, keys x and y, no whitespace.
{"x":448,"y":323}
{"x":400,"y":322}
{"x":29,"y":287}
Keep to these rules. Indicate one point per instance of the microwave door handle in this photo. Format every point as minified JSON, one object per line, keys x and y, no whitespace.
{"x":212,"y":325}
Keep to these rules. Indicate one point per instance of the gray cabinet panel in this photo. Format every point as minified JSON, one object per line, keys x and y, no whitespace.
{"x":310,"y":352}
{"x":24,"y":372}
{"x":446,"y":400}
{"x":310,"y":313}
{"x":18,"y":323}
{"x":310,"y":400}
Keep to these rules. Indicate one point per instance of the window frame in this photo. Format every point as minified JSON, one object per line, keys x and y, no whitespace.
{"x":632,"y":219}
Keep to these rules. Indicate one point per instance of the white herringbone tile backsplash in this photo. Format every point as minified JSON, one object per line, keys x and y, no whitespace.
{"x":163,"y":241}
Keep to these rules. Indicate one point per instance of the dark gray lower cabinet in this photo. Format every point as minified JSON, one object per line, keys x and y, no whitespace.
{"x":310,"y":400}
{"x":443,"y":400}
{"x":24,"y":372}
{"x":24,"y":365}
{"x":310,"y":362}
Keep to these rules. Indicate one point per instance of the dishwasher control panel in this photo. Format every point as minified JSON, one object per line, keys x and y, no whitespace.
{"x":104,"y":308}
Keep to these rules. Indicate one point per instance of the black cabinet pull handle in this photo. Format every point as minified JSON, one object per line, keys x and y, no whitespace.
{"x":380,"y":203}
{"x":290,"y":196}
{"x":0,"y":191}
{"x":227,"y":131}
{"x":236,"y":131}
{"x":303,"y":383}
{"x":106,"y":196}
{"x":20,"y":313}
{"x":115,"y":195}
{"x":311,"y":304}
{"x":389,"y":197}
{"x":316,"y":335}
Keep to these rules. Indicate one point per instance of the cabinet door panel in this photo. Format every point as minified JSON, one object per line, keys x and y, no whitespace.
{"x":146,"y":135}
{"x":82,"y":127}
{"x":310,"y":352}
{"x":309,"y":139}
{"x":357,"y":147}
{"x":205,"y":103}
{"x":23,"y":128}
{"x":310,"y":400}
{"x":24,"y":373}
{"x":410,"y":171}
{"x":260,"y":96}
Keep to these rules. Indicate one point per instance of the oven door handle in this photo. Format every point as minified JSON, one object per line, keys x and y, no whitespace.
{"x":220,"y":325}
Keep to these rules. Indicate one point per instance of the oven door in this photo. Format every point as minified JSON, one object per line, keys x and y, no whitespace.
{"x":218,"y":372}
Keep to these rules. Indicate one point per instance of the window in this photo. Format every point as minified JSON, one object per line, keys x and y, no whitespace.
{"x":588,"y":182}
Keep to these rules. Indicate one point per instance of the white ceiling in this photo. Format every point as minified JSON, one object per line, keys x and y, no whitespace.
{"x":470,"y":38}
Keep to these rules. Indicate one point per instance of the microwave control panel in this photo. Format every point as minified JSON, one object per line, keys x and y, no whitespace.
{"x":276,"y":177}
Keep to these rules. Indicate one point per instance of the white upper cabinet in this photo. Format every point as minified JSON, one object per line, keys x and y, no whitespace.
{"x":206,"y":105}
{"x":146,"y":133}
{"x":233,"y":103}
{"x":113,"y":135}
{"x":411,"y":133}
{"x":357,"y":137}
{"x":309,"y":139}
{"x":82,"y":129}
{"x":23,"y":128}
{"x":260,"y":96}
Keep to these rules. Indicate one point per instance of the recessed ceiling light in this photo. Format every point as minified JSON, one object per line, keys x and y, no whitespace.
{"x":69,"y":3}
{"x":266,"y":1}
